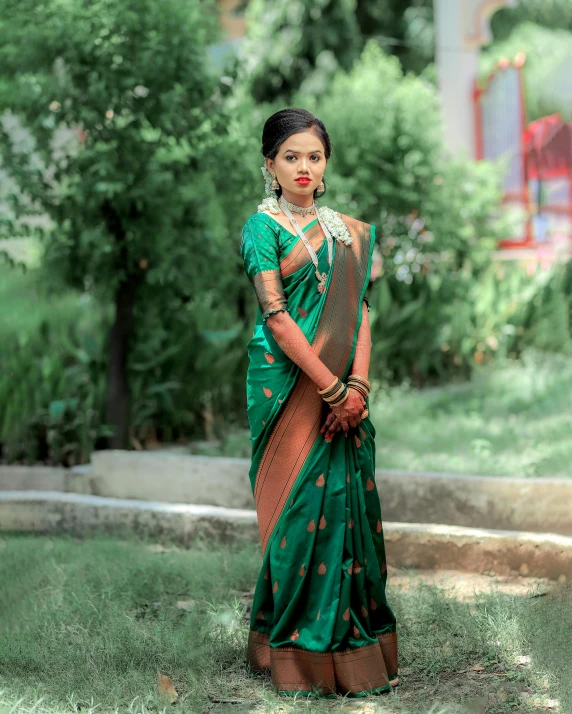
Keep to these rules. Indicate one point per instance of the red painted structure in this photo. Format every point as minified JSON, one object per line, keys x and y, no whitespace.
{"x":539,"y":154}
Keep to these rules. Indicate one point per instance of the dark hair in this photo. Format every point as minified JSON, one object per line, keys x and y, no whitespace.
{"x":286,"y":122}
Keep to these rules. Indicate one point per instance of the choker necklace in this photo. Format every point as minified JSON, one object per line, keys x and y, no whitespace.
{"x":302,"y":210}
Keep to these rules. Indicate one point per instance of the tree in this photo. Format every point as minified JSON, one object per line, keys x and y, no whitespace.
{"x":299,"y":45}
{"x":108,"y":108}
{"x":553,"y":14}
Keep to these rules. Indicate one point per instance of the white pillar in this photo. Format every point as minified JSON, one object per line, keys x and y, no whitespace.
{"x":462,"y":26}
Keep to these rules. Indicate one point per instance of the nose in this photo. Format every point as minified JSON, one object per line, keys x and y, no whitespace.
{"x":303,"y":165}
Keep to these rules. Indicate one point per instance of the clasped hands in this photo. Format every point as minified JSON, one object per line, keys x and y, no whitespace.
{"x":346,"y":415}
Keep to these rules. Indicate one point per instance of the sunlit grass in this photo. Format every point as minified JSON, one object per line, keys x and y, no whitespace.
{"x":89,"y":624}
{"x":510,"y":420}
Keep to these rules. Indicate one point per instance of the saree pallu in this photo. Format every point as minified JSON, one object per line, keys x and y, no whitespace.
{"x":320,"y":619}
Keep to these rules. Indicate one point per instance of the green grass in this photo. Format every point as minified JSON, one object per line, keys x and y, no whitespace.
{"x":89,"y":624}
{"x":513,"y":420}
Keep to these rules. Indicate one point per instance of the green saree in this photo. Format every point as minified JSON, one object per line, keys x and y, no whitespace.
{"x":320,"y":620}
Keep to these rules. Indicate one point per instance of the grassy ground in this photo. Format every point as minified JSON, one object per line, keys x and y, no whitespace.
{"x":508,"y":421}
{"x":88,"y":625}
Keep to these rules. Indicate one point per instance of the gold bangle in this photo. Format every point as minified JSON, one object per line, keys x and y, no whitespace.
{"x":332,"y":397}
{"x":327,"y":389}
{"x":342,"y":400}
{"x":357,"y":378}
{"x":364,"y":413}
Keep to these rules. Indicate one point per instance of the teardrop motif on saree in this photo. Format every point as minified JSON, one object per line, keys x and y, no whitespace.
{"x":322,"y":569}
{"x":357,"y":567}
{"x":294,"y":636}
{"x":302,"y":570}
{"x":320,"y":481}
{"x":260,"y":615}
{"x":372,"y":604}
{"x":364,"y":610}
{"x":302,"y":312}
{"x":267,"y":392}
{"x":266,"y":575}
{"x":322,"y":523}
{"x":275,"y":587}
{"x":351,"y":569}
{"x":269,"y":358}
{"x":363,"y":434}
{"x":347,"y":615}
{"x":311,"y":527}
{"x":283,"y":543}
{"x":378,"y":527}
{"x":356,"y":633}
{"x":370,"y":485}
{"x":351,"y":523}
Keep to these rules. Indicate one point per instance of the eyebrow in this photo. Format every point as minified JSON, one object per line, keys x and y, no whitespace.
{"x":317,"y":151}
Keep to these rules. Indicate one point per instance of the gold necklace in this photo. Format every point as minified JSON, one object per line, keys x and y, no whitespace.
{"x":302,"y":210}
{"x":322,"y":277}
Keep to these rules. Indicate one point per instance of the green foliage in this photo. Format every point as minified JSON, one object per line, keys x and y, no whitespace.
{"x":288,"y":41}
{"x":52,"y":389}
{"x":546,"y":71}
{"x":112,"y":118}
{"x":554,"y":14}
{"x":299,"y":46}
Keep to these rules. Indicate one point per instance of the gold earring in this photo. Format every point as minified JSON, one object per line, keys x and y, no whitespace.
{"x":275,"y":185}
{"x":321,"y":186}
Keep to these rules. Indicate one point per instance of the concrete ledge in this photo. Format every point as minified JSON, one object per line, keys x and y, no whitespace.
{"x":78,"y":514}
{"x":416,"y":545}
{"x":529,"y":504}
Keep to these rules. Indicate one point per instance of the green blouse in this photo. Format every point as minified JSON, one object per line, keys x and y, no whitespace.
{"x":264,"y":244}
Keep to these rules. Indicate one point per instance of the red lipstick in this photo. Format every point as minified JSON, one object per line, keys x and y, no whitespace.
{"x":303,"y":181}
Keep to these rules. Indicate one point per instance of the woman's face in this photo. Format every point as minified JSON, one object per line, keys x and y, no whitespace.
{"x":299,"y":165}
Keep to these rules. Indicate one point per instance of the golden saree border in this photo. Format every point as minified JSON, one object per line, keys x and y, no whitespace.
{"x":296,"y":670}
{"x":388,"y":644}
{"x":298,"y":257}
{"x":298,"y":424}
{"x":269,"y":291}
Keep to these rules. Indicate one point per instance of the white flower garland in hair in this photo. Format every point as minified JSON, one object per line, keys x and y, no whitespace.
{"x":328,"y":216}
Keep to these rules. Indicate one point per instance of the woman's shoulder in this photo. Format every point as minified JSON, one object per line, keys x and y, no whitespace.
{"x":256,"y":220}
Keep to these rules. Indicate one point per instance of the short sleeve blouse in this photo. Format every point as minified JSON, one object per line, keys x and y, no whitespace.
{"x":261,"y":255}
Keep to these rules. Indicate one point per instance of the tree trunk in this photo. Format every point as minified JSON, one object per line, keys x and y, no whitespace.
{"x":117,"y":378}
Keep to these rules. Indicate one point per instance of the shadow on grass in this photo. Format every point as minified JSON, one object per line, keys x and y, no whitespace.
{"x":91,"y":624}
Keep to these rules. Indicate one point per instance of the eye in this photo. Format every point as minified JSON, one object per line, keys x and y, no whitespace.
{"x":315,"y":156}
{"x":290,"y":156}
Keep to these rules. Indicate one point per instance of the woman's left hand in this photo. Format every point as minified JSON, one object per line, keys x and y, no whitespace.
{"x":333,"y":423}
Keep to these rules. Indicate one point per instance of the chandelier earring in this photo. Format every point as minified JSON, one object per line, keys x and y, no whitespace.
{"x":275,"y":185}
{"x":321,"y":186}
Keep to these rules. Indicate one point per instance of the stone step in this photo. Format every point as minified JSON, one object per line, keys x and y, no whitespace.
{"x":409,"y":545}
{"x":542,"y":505}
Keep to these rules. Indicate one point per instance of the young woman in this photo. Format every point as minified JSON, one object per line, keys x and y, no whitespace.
{"x":320,"y":621}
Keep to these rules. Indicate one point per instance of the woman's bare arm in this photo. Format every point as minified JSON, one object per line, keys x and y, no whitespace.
{"x":360,"y":365}
{"x":294,"y":344}
{"x":362,"y":355}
